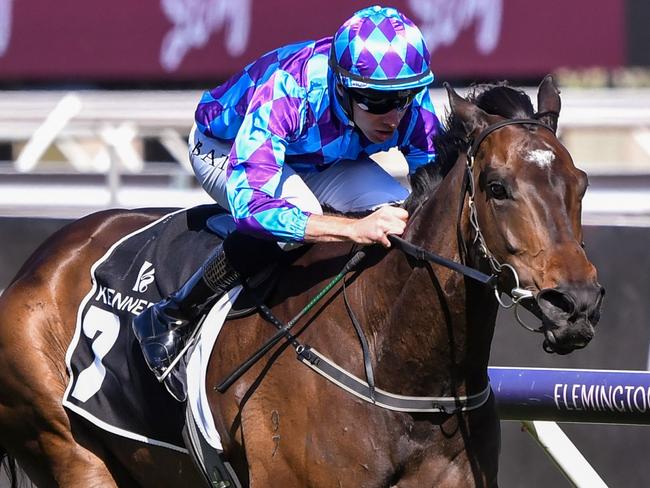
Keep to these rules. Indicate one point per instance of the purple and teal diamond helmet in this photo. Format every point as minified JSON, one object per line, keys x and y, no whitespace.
{"x":381,"y":49}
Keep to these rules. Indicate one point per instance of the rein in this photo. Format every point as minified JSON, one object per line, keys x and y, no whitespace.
{"x":422,"y":254}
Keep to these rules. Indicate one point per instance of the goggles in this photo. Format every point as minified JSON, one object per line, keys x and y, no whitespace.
{"x":381,"y":102}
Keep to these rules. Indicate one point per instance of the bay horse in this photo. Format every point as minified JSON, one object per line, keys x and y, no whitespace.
{"x":509,"y":202}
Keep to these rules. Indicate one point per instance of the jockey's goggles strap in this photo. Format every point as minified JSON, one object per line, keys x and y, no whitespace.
{"x":343,"y":73}
{"x":422,"y":254}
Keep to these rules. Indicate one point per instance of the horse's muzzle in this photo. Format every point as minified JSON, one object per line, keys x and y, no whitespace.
{"x":569,"y":315}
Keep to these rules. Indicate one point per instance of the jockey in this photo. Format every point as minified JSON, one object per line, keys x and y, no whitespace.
{"x":290,"y":133}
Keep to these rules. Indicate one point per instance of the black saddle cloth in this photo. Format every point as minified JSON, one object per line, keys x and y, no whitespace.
{"x":110,"y":385}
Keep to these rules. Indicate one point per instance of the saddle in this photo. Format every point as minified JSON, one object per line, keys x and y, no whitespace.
{"x":259,"y":286}
{"x":115,"y":390}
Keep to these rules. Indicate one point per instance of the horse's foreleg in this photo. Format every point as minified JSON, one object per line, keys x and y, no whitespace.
{"x":465,"y":452}
{"x":444,"y":473}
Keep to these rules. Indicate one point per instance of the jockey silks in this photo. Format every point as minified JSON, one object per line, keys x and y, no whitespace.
{"x":281,"y":109}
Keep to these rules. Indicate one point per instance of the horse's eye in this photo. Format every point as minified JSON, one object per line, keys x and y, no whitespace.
{"x":497,"y":190}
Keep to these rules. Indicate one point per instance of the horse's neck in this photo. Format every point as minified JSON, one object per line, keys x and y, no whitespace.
{"x":436,"y":328}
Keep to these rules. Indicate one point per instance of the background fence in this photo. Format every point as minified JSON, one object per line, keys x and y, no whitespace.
{"x":128,"y":148}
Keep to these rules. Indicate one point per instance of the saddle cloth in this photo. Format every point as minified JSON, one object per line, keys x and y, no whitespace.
{"x":110,"y":384}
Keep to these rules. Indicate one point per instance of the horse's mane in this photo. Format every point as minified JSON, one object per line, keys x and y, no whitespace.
{"x":496,"y":99}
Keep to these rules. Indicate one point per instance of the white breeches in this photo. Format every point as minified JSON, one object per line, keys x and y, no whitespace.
{"x":345,"y":186}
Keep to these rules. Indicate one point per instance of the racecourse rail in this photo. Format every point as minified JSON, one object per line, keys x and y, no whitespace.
{"x":551,"y":395}
{"x":572,"y":395}
{"x":116,"y":119}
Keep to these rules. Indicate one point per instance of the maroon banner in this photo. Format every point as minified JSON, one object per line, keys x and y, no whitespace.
{"x":203,"y":39}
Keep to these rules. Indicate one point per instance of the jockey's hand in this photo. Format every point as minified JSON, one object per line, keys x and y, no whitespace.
{"x":375,"y":227}
{"x":369,"y":230}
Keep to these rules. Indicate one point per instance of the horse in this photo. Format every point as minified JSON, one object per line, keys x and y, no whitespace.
{"x":503,"y":197}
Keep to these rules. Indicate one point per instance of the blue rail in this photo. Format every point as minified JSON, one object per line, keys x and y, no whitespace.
{"x":572,"y":395}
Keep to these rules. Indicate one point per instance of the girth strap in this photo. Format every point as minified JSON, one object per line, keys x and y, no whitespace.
{"x":399,"y":403}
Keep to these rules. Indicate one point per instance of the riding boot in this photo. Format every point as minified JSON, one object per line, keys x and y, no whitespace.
{"x":163,"y":329}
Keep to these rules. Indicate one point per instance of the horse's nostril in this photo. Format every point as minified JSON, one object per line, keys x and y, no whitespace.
{"x":551,"y":300}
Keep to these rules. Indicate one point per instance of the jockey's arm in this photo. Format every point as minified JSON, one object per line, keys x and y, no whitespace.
{"x":253,"y":180}
{"x":369,"y":230}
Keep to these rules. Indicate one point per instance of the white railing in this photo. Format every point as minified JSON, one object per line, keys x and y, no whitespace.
{"x":564,"y":454}
{"x":102,"y":132}
{"x":83,"y":125}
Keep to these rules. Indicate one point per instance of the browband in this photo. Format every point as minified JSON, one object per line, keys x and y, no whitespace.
{"x":487,"y":131}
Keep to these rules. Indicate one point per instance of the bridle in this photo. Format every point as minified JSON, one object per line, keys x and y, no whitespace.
{"x":517,"y":294}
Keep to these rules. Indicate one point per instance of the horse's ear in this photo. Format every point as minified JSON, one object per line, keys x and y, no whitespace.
{"x":548,"y":102}
{"x":473,"y":118}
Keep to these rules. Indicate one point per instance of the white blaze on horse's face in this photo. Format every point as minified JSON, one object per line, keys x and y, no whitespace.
{"x":541,"y":157}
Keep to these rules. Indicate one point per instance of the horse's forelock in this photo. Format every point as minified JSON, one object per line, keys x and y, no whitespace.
{"x":496,"y":99}
{"x":503,"y":100}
